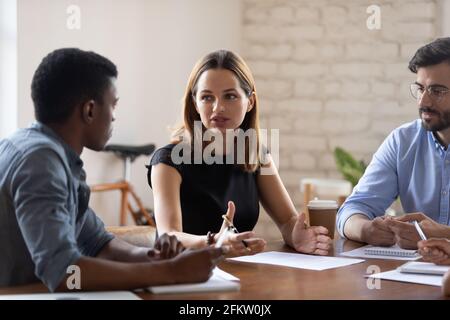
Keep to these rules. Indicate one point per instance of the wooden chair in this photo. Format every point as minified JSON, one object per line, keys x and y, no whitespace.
{"x":128,"y":154}
{"x":142,"y":236}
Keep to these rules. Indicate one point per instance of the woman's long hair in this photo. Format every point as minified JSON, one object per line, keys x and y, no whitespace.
{"x":222,"y":59}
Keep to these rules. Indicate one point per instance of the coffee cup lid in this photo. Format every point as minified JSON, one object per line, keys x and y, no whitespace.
{"x":322,"y":204}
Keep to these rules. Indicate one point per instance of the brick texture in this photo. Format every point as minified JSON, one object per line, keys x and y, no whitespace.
{"x":326,"y":80}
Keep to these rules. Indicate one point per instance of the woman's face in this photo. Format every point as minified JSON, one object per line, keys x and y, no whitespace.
{"x":220,"y":100}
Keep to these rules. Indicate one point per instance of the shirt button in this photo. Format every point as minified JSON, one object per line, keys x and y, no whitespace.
{"x":447,"y":161}
{"x":444,"y":192}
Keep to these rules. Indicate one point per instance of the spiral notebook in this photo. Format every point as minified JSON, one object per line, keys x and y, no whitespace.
{"x":393,"y":253}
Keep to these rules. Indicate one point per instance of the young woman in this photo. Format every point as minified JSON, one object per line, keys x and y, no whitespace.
{"x":191,"y":194}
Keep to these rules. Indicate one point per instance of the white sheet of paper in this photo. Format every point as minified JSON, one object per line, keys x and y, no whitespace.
{"x":224,"y":275}
{"x":297,"y":260}
{"x":359,"y":253}
{"x":219,"y":281}
{"x":99,"y":295}
{"x":396,"y":275}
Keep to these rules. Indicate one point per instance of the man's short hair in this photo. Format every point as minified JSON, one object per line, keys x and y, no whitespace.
{"x":433,"y":53}
{"x":66,"y":78}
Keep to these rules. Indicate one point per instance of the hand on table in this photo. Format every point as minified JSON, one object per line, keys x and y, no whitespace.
{"x":313,"y":240}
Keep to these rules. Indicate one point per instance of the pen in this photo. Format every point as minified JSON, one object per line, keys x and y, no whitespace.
{"x":233,"y":229}
{"x":222,"y":237}
{"x":419,"y":230}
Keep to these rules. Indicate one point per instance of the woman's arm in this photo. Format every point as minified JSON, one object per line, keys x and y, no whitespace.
{"x":277,"y":203}
{"x":166,"y":182}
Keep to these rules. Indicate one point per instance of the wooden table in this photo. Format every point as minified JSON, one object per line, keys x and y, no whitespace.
{"x":266,"y":282}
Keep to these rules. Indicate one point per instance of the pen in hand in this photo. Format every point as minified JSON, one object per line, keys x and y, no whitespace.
{"x":419,"y":230}
{"x":230,"y":229}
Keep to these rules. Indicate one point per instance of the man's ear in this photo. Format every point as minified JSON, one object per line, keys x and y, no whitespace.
{"x":88,"y":111}
{"x":251,"y":101}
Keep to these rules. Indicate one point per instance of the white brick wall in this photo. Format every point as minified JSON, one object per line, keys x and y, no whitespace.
{"x":325,"y":80}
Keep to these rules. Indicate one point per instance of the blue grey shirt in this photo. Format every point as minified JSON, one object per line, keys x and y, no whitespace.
{"x":411,"y":164}
{"x":45,"y":222}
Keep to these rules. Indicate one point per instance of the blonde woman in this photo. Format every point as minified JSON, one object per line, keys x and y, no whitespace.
{"x":191,"y":195}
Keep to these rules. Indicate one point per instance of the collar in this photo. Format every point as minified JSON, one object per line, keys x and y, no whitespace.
{"x":439,"y":147}
{"x":74,"y":159}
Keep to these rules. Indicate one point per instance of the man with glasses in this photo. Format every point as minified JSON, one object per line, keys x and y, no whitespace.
{"x":413,"y":163}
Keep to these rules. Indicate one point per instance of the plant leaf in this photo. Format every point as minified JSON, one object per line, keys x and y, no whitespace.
{"x":350,"y":168}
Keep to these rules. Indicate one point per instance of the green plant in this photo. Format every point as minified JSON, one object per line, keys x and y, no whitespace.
{"x":351,"y":169}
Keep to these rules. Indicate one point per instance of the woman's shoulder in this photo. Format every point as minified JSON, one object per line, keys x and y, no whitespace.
{"x":163,"y":155}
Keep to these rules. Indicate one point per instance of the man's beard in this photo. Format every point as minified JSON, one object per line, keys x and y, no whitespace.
{"x":442,"y":123}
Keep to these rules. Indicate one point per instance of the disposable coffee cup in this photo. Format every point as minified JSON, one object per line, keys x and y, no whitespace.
{"x":323,"y":213}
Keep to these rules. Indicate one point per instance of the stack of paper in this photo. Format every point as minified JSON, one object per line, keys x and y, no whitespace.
{"x":423,"y":268}
{"x":107,"y":295}
{"x":396,"y":275}
{"x":219,"y":281}
{"x":416,"y":272}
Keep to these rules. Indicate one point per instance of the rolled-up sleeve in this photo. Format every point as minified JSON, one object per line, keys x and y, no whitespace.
{"x":377,"y":188}
{"x":93,"y":236}
{"x":41,"y":192}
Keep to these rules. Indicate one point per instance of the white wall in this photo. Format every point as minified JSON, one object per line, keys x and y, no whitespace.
{"x":445,"y":18}
{"x":8,"y":67}
{"x":154,"y":43}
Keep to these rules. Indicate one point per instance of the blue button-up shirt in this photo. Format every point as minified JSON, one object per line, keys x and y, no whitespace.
{"x":45,"y":222}
{"x":410,"y":164}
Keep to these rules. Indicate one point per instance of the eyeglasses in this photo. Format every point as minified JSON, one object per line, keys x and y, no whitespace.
{"x":436,"y":93}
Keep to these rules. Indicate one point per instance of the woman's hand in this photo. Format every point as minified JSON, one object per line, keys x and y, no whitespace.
{"x":252,"y":245}
{"x":244,"y":243}
{"x":313,"y":240}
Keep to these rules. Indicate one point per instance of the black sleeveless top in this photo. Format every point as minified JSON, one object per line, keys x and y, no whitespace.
{"x":205,"y":191}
